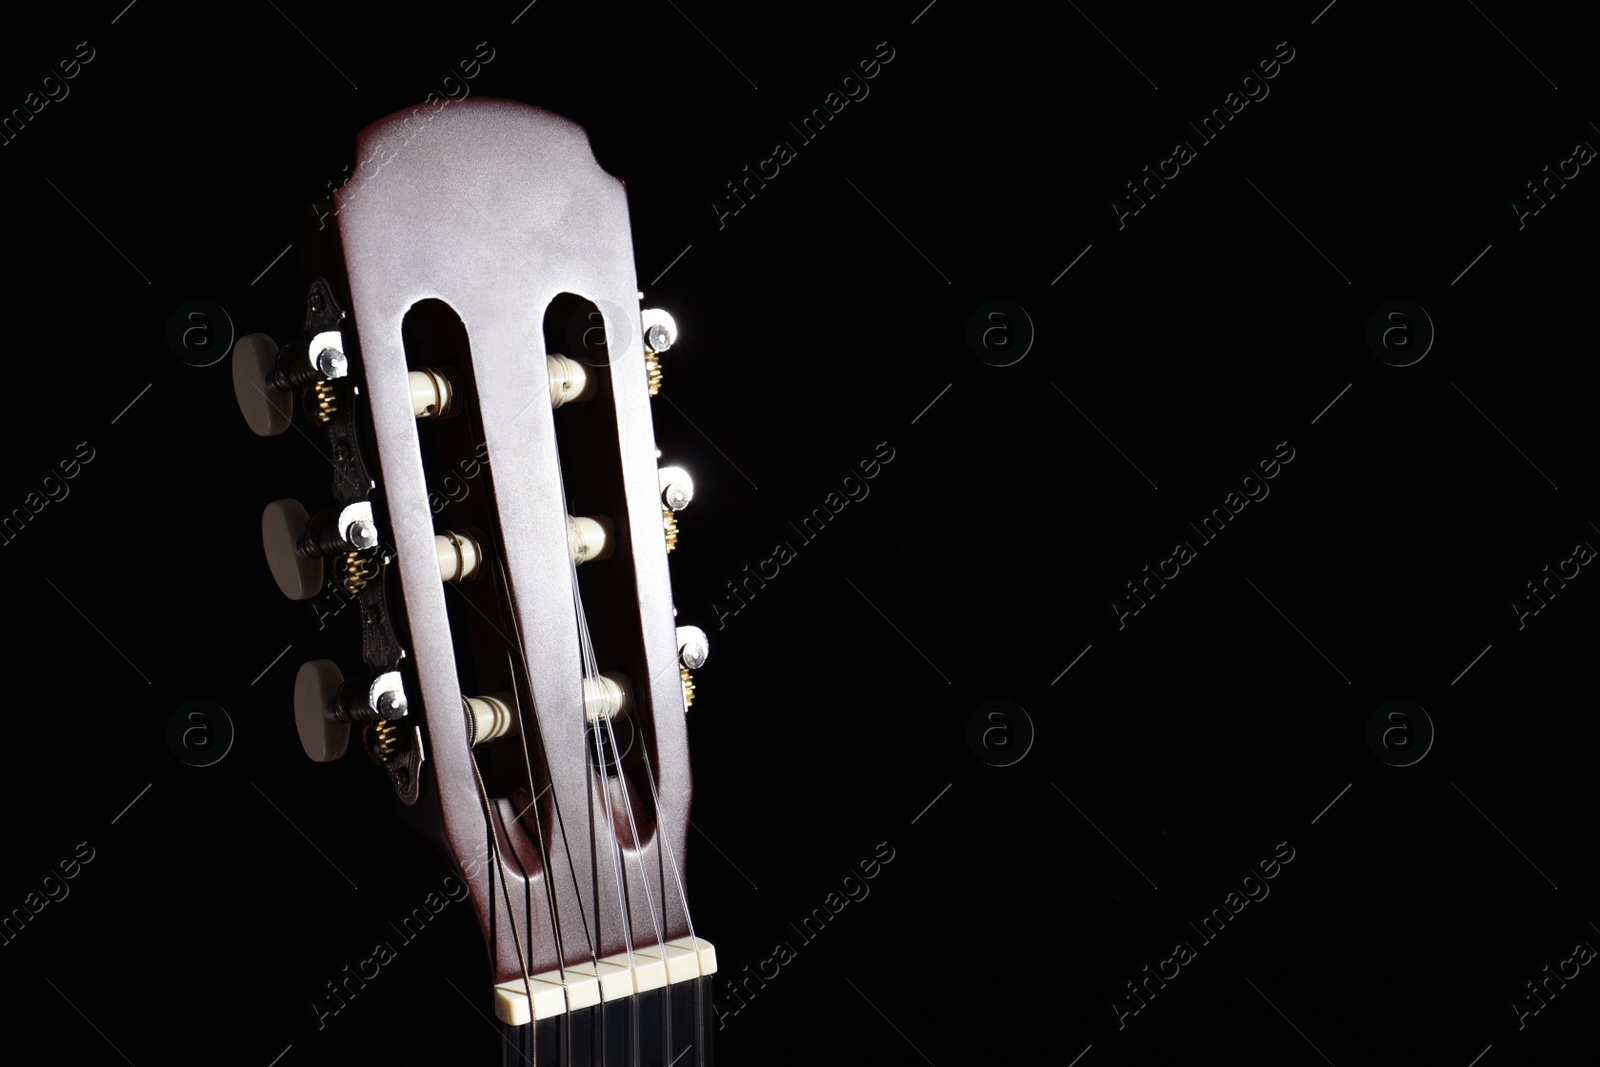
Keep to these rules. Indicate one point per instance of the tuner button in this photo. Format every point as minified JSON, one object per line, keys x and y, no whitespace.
{"x":266,"y":408}
{"x":323,"y":737}
{"x":693,"y":648}
{"x":282,"y":523}
{"x":677,"y":488}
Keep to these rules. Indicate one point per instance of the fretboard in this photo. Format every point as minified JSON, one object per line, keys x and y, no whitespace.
{"x":666,"y":1027}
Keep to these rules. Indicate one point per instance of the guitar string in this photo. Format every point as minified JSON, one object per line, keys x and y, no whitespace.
{"x":644,"y":753}
{"x":624,"y":899}
{"x":672,"y":861}
{"x":494,"y":840}
{"x":614,"y":849}
{"x":549,"y":890}
{"x":544,"y":856}
{"x":507,"y":613}
{"x":502,"y":599}
{"x":538,"y":825}
{"x":591,"y":675}
{"x":590,"y":670}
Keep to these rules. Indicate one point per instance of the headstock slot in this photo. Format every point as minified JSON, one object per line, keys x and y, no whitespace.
{"x":454,"y":455}
{"x":591,"y":470}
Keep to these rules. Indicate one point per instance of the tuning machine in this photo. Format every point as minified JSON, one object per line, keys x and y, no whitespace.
{"x":296,"y":543}
{"x":677,"y":489}
{"x":693,"y":648}
{"x":660,"y":334}
{"x":265,"y":378}
{"x":326,"y":705}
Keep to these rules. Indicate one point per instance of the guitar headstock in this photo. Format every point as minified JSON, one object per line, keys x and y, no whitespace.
{"x":474,"y":352}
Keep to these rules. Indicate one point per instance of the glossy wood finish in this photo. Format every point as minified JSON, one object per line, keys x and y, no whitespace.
{"x":496,"y":208}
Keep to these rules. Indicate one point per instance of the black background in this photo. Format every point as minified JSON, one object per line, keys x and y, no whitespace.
{"x":819,"y":321}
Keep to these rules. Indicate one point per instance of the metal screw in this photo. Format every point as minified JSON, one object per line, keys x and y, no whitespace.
{"x":677,"y":488}
{"x":693,"y":648}
{"x":361,"y":534}
{"x":331,"y":363}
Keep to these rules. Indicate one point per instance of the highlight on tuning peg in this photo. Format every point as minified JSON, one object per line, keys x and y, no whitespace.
{"x":660,"y":334}
{"x":660,"y":331}
{"x":677,"y":488}
{"x":296,"y":544}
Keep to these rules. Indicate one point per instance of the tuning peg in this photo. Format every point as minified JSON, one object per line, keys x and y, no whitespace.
{"x":432,"y":394}
{"x":323,"y":737}
{"x":325,"y":704}
{"x":267,"y":409}
{"x":265,"y":377}
{"x":295,"y":543}
{"x":590,"y":538}
{"x":489,"y":717}
{"x":322,"y":359}
{"x":460,"y":555}
{"x":607,"y":696}
{"x":569,"y":380}
{"x":660,"y":334}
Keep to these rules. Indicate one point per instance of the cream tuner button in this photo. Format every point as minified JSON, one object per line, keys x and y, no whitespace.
{"x":321,"y":735}
{"x":266,"y":408}
{"x":282,"y":525}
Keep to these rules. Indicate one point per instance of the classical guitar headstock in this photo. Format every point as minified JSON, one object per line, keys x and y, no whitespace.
{"x":474,"y":352}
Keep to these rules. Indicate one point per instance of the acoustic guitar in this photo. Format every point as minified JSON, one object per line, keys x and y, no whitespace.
{"x":475,"y":357}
